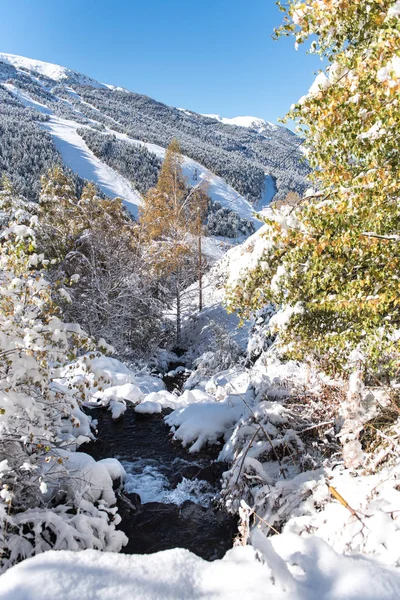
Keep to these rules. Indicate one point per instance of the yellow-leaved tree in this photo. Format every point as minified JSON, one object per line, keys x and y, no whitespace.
{"x":171,"y":218}
{"x":333,"y":261}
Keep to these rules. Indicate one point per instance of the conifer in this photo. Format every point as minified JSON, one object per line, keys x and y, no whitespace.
{"x":171,"y":218}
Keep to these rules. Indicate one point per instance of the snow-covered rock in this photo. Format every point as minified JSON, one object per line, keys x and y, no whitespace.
{"x":205,"y":422}
{"x":148,"y":408}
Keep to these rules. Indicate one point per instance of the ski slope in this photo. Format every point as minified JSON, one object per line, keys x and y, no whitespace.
{"x":268,"y":193}
{"x":79,"y":158}
{"x":195,"y":173}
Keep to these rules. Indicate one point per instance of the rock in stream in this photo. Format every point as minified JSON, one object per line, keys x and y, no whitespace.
{"x":167,"y":500}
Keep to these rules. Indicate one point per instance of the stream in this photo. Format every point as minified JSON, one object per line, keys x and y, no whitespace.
{"x":169,"y":495}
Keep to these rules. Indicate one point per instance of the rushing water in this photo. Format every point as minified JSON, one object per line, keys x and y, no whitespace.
{"x":169,"y":495}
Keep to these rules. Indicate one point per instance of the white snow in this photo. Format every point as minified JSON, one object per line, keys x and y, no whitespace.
{"x":394,"y":11}
{"x":268,"y":192}
{"x":156,"y":401}
{"x":55,"y":72}
{"x":89,"y":479}
{"x":248,"y":122}
{"x":27,"y":100}
{"x":114,"y":468}
{"x":111,"y":383}
{"x":77,"y":156}
{"x":187,"y":112}
{"x":126,"y":391}
{"x":284,"y":567}
{"x":320,"y":84}
{"x":147,"y":407}
{"x":205,"y":422}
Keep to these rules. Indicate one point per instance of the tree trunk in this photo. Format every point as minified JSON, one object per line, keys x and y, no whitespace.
{"x":200,"y":274}
{"x":352,"y":413}
{"x":178,"y":313}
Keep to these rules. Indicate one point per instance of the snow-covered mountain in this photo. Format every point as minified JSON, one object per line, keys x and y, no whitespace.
{"x":48,"y":70}
{"x":117,"y":139}
{"x":256,"y":123}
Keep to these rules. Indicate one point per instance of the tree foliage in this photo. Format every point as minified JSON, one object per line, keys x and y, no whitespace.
{"x":171,"y":220}
{"x":333,"y":261}
{"x":98,"y":252}
{"x":43,"y":502}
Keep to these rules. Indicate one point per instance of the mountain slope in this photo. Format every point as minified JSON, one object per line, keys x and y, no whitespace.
{"x":256,"y":123}
{"x":245,"y":165}
{"x":48,"y":70}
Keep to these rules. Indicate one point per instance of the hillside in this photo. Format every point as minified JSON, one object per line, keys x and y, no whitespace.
{"x":199,"y":403}
{"x":246,"y":161}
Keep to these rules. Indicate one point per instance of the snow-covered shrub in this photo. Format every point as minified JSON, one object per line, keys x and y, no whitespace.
{"x":290,"y":426}
{"x":41,"y":504}
{"x":225,"y":353}
{"x":260,"y":336}
{"x":100,"y":255}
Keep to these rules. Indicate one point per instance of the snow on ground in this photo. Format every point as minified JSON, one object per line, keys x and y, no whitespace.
{"x":204,"y":423}
{"x":55,"y":72}
{"x":79,"y":158}
{"x":195,"y":173}
{"x":231,"y":263}
{"x":111,"y":384}
{"x":250,"y":122}
{"x":91,"y":480}
{"x":268,"y":193}
{"x":374,"y":497}
{"x":27,"y":100}
{"x":284,"y":567}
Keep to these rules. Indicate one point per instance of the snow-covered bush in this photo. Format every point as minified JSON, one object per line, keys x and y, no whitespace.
{"x":42,"y":501}
{"x":100,"y":255}
{"x":225,"y":353}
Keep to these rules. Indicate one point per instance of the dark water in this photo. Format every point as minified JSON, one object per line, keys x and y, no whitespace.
{"x":176,"y":489}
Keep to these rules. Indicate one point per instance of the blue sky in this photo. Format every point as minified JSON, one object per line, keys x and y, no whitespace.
{"x":211,"y":56}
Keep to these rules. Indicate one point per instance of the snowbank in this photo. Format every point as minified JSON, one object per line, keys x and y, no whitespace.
{"x":202,"y":423}
{"x":82,"y":476}
{"x":294,"y":569}
{"x":149,"y":408}
{"x":112,"y":383}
